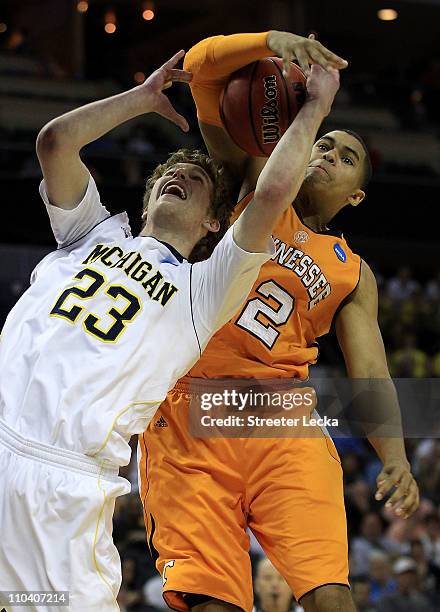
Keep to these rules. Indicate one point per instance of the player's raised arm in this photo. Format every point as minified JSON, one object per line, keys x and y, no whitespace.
{"x":214,"y":59}
{"x":283,"y":175}
{"x":60,"y":141}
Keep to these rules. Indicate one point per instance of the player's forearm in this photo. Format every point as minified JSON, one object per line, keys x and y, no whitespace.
{"x":389,"y":449}
{"x":283,"y":174}
{"x":280,"y":180}
{"x":212,"y":61}
{"x":387,"y":412}
{"x":83,"y":125}
{"x":219,"y":56}
{"x":375,"y":408}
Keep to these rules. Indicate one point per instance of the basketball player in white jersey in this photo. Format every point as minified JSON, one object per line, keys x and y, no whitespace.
{"x":109,"y":324}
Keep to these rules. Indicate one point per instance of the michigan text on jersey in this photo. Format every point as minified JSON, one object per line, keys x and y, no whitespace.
{"x":136,"y":268}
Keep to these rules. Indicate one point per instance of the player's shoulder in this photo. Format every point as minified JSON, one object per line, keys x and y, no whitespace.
{"x":367,"y":280}
{"x":365,"y":292}
{"x":112,"y":228}
{"x":367,"y":274}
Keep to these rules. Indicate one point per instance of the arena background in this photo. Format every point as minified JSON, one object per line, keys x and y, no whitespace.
{"x":58,"y":54}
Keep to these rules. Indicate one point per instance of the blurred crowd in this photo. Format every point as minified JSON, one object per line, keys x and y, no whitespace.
{"x":410,"y":90}
{"x":409,"y":317}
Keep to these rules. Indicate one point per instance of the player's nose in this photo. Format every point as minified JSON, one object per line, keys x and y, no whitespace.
{"x":330,"y":156}
{"x":179,"y":173}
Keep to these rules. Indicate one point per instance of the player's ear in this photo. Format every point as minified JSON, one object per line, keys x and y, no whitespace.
{"x":356,"y":197}
{"x":212,"y":225}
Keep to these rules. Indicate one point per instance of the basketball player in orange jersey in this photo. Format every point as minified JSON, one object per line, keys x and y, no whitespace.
{"x":200,"y":495}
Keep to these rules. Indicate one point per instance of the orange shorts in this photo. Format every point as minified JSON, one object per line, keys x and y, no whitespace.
{"x":200,"y":495}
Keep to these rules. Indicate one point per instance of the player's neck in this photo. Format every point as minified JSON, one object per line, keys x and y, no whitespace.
{"x":314,"y":214}
{"x":177,"y":241}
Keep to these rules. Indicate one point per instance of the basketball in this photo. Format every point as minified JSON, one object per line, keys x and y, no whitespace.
{"x":258,"y":104}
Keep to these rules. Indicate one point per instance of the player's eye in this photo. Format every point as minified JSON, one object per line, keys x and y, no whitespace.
{"x":197,"y":177}
{"x":322,"y":147}
{"x":348,"y":161}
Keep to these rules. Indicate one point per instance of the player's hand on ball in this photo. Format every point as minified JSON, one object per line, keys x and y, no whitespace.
{"x":306,"y":51}
{"x":162,"y":78}
{"x":322,"y":87}
{"x":405,"y":499}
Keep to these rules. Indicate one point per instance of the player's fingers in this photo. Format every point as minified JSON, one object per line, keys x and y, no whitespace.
{"x":402,"y":489}
{"x":182,"y":76}
{"x":332,"y":58}
{"x":408,"y":504}
{"x":411,"y":503}
{"x":388,"y":478}
{"x":318,"y":58}
{"x":384,"y":484}
{"x":334,"y":72}
{"x":287,"y":62}
{"x":174,"y":60}
{"x":303,"y":60}
{"x":166,"y":85}
{"x":169,"y":112}
{"x":337,"y":62}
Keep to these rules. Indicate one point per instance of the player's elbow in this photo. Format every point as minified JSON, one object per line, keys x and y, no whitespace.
{"x":271,"y":196}
{"x":197,"y":60}
{"x":49,"y":139}
{"x":369,"y":368}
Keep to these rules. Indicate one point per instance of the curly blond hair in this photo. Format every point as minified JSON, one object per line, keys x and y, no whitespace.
{"x":222,"y":202}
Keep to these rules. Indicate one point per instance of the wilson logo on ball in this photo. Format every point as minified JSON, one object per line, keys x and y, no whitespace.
{"x":258,"y":104}
{"x":270,"y":113}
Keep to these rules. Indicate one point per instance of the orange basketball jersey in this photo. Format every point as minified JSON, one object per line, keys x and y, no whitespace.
{"x":292,"y":303}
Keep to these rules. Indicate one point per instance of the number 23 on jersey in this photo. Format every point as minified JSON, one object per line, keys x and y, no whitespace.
{"x":72,"y":303}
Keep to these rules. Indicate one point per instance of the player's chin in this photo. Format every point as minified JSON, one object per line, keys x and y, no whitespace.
{"x":171,"y":209}
{"x":316,"y":178}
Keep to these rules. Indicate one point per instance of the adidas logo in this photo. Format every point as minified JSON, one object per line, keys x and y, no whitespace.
{"x":161,"y":422}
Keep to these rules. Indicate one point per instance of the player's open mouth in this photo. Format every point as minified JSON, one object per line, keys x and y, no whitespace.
{"x":175,"y":189}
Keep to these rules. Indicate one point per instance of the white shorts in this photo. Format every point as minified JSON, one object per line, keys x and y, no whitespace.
{"x":56,"y":510}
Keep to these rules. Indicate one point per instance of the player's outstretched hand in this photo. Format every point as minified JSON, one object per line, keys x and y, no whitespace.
{"x":162,"y":78}
{"x":306,"y":51}
{"x":405,"y":498}
{"x":322,"y":87}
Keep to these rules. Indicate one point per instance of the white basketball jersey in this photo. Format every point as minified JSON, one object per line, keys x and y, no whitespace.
{"x":109,"y":324}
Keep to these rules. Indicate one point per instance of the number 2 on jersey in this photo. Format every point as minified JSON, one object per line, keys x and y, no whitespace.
{"x":278,"y":316}
{"x":120,"y":318}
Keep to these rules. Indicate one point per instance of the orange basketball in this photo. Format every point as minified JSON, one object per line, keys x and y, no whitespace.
{"x":258,"y":104}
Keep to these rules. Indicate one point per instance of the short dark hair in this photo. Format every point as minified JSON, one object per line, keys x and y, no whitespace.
{"x":222,"y":203}
{"x":367,"y":172}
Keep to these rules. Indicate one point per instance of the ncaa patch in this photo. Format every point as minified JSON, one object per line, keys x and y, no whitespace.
{"x":340,"y":253}
{"x":300,"y":237}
